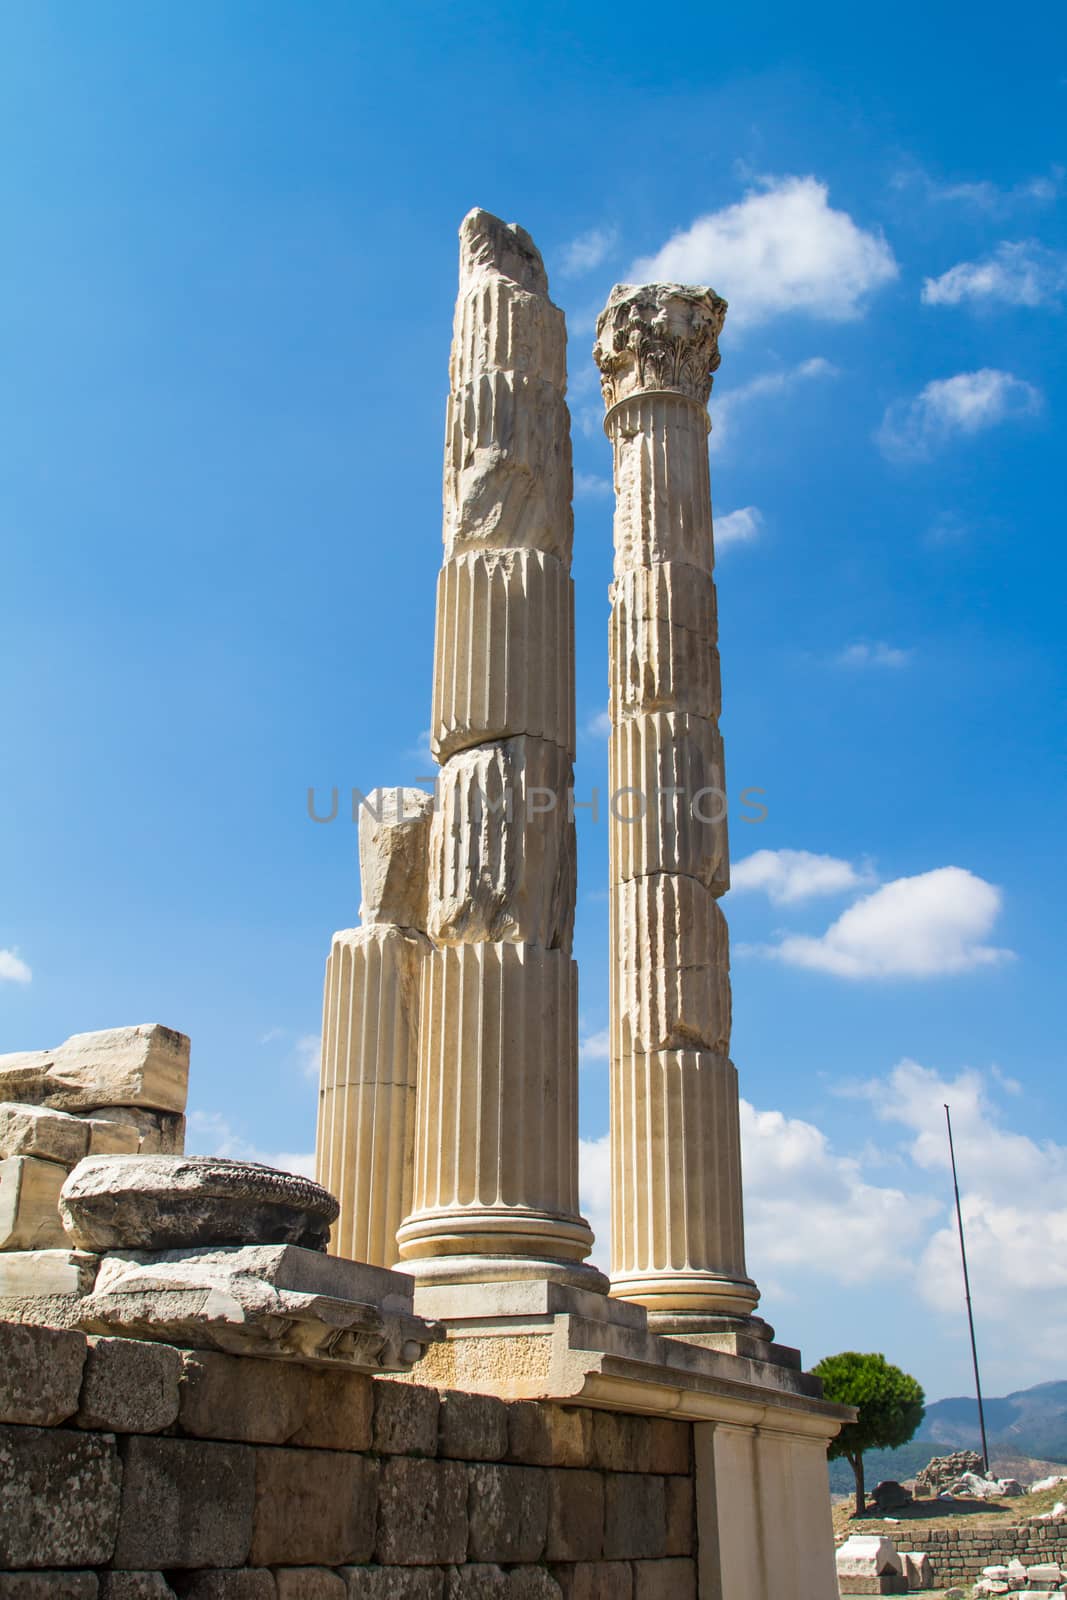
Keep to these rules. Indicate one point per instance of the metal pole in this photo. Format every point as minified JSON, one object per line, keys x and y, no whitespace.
{"x":967,"y":1292}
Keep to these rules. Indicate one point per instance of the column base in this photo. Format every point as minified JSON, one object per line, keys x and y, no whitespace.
{"x":705,"y":1297}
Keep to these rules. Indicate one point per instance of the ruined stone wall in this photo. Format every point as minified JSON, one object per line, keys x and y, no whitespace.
{"x":958,"y":1555}
{"x":130,"y":1469}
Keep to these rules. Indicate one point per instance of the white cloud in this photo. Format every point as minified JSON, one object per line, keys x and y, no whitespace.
{"x":982,"y":195}
{"x":599,"y":725}
{"x":587,"y":251}
{"x":782,"y":249}
{"x":733,"y":401}
{"x":788,"y":877}
{"x":210,"y":1134}
{"x":594,"y":1184}
{"x":591,"y":484}
{"x":878,"y":654}
{"x":931,"y":925}
{"x":1022,"y":274}
{"x":13,"y":969}
{"x":307,"y":1052}
{"x":966,"y":404}
{"x":596,"y":1046}
{"x":738,"y":527}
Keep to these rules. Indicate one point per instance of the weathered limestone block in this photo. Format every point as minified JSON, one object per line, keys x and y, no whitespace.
{"x":635,"y":1518}
{"x":47,"y":1135}
{"x":668,"y":798}
{"x":504,"y":651}
{"x":134,"y":1586}
{"x":29,"y":1204}
{"x":140,"y":1066}
{"x":542,"y":1434}
{"x":365,"y":1142}
{"x":251,"y":1402}
{"x":247,"y":1583}
{"x":597,"y":1580}
{"x":507,"y":438}
{"x":422,"y":1512}
{"x":665,"y":1580}
{"x":130,"y":1386}
{"x":159,"y":1133}
{"x":672,"y":956}
{"x":39,"y":1274}
{"x":508,"y":1513}
{"x":40,"y":1374}
{"x":53,"y":1586}
{"x":60,"y":1497}
{"x":677,"y":1222}
{"x":867,"y":1555}
{"x":108,"y":1137}
{"x":165,"y":1202}
{"x":473,"y":1427}
{"x":502,"y":847}
{"x":185,"y":1503}
{"x":575,"y":1528}
{"x":679,"y":1508}
{"x":670,"y":1446}
{"x":405,"y":1419}
{"x":918,"y":1569}
{"x":497,"y":1022}
{"x":394,"y":1583}
{"x":620,"y":1443}
{"x":394,"y":830}
{"x":508,"y":474}
{"x":340,"y":1412}
{"x":309,"y":1583}
{"x":500,"y":323}
{"x":313,"y":1508}
{"x":664,"y":653}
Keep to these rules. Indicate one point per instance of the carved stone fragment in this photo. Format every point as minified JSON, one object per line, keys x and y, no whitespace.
{"x":394,"y":827}
{"x":139,"y":1066}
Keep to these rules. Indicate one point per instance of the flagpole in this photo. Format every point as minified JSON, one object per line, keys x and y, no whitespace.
{"x":967,"y":1292}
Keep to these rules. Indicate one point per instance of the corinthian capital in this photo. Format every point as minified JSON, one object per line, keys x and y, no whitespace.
{"x":661,"y":336}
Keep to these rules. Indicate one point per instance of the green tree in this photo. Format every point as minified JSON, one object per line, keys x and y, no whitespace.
{"x":890,"y":1404}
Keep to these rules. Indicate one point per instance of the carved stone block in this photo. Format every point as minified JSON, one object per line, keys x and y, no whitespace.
{"x":672,"y":955}
{"x":664,"y":642}
{"x":668,"y":799}
{"x":394,"y":830}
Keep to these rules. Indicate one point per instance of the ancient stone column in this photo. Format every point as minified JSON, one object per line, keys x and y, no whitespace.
{"x":677,"y":1226}
{"x":495,"y":1192}
{"x":364,"y":1150}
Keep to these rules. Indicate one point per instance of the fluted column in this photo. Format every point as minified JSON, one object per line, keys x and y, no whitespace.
{"x":677,"y":1225}
{"x":495,"y":1181}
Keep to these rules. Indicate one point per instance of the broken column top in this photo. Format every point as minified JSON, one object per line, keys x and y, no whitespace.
{"x":487,"y":245}
{"x":143,"y":1066}
{"x":658,"y":336}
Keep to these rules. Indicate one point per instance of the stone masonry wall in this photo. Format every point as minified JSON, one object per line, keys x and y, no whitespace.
{"x":958,"y":1555}
{"x":131,"y":1470}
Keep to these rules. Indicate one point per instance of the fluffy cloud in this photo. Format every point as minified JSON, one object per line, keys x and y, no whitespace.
{"x":931,"y":925}
{"x":782,"y":249}
{"x":13,"y":969}
{"x":1023,"y":274}
{"x":738,"y":527}
{"x":210,"y":1134}
{"x":966,"y":404}
{"x":596,"y":1046}
{"x":591,"y":484}
{"x":599,"y":724}
{"x":587,"y":251}
{"x":788,"y":877}
{"x":878,"y":654}
{"x":594,"y":1183}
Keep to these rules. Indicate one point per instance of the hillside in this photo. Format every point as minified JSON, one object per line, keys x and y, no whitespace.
{"x":1030,"y":1423}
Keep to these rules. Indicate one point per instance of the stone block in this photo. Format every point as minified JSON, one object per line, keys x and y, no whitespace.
{"x":185,"y":1503}
{"x":29,"y":1204}
{"x":508,"y":1512}
{"x":405,"y":1419}
{"x":597,"y":1580}
{"x":248,"y":1583}
{"x":49,"y":1586}
{"x":27,"y":1275}
{"x":532,"y":1583}
{"x":422,"y":1513}
{"x":476,"y":1581}
{"x":664,"y":642}
{"x":59,"y":1497}
{"x":473,"y":1427}
{"x":918,"y":1569}
{"x":139,"y":1066}
{"x":340,"y":1412}
{"x":134,"y":1586}
{"x":232,"y":1397}
{"x":309,"y":1583}
{"x":575,"y":1529}
{"x":670,"y":1445}
{"x":130,"y":1386}
{"x":867,"y":1555}
{"x":36,"y":1131}
{"x":394,"y":1583}
{"x":620,"y":1443}
{"x":673,"y":950}
{"x":668,"y":798}
{"x":110,"y":1138}
{"x":394,"y":837}
{"x":679,"y":1511}
{"x":635,"y":1519}
{"x":665,"y":1580}
{"x":40,"y":1374}
{"x":542,"y":1434}
{"x":313,"y":1508}
{"x":159,"y":1133}
{"x":503,"y":848}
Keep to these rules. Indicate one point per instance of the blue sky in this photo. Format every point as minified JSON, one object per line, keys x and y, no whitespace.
{"x":229,"y":267}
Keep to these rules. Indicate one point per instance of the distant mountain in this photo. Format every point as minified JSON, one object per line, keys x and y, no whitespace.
{"x":1030,"y":1422}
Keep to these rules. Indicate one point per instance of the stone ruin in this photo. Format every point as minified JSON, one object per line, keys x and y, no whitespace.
{"x":942,"y":1471}
{"x":642,"y":1436}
